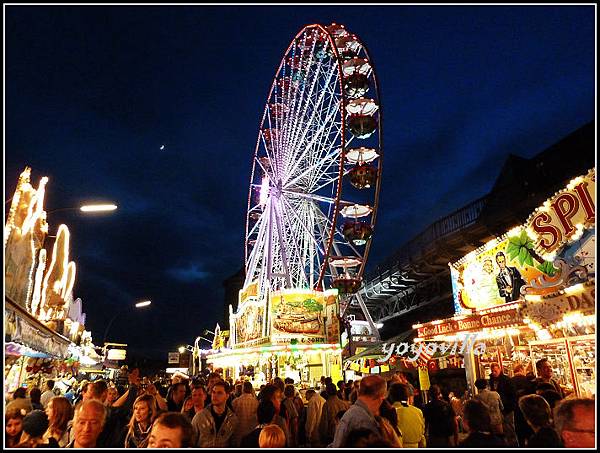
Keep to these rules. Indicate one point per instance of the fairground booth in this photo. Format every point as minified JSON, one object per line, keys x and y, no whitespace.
{"x":291,"y":333}
{"x":44,"y":327}
{"x":529,"y":294}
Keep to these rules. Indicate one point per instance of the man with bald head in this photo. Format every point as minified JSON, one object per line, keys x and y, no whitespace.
{"x":361,"y":415}
{"x":88,"y":423}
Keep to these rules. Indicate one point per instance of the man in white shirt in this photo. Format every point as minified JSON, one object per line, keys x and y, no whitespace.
{"x":48,"y":394}
{"x":313,"y":416}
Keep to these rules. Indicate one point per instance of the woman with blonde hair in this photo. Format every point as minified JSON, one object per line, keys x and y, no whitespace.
{"x":140,"y":425}
{"x":59,"y":412}
{"x":271,"y":436}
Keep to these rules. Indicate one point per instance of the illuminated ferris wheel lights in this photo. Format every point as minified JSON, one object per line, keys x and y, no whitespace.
{"x":304,"y":162}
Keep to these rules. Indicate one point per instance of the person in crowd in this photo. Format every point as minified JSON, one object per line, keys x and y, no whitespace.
{"x":289,"y":412}
{"x":365,"y":438}
{"x":213,"y":378}
{"x":575,"y":422}
{"x":440,"y":420}
{"x":171,"y":430}
{"x":411,"y":422}
{"x":493,"y":402}
{"x":272,"y":393}
{"x":81,"y":391}
{"x":217,"y":423}
{"x":457,"y":406}
{"x":117,"y":416}
{"x":279,"y":383}
{"x":524,"y":385}
{"x":88,"y":423}
{"x":145,"y":412}
{"x":362,"y":413}
{"x":271,"y":436}
{"x":538,"y":415}
{"x":160,"y":390}
{"x":60,"y":413}
{"x":265,"y":412}
{"x":35,"y":424}
{"x":161,"y":402}
{"x":545,"y":373}
{"x":547,"y":391}
{"x":35,"y":395}
{"x":20,"y":400}
{"x":502,"y":384}
{"x":403,"y":379}
{"x":112,"y":395}
{"x":341,"y":385}
{"x":389,"y":432}
{"x":387,"y":411}
{"x":347,"y":389}
{"x":48,"y":393}
{"x":13,"y":427}
{"x":71,"y":392}
{"x":176,"y":397}
{"x":332,"y":406}
{"x":477,"y":424}
{"x":245,"y":408}
{"x":195,"y":403}
{"x":313,"y":417}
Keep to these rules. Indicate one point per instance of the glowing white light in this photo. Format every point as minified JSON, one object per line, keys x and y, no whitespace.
{"x":264,"y":190}
{"x":162,"y":147}
{"x":143,"y":304}
{"x":98,"y":207}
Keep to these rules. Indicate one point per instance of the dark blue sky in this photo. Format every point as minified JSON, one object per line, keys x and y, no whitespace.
{"x":93,"y":92}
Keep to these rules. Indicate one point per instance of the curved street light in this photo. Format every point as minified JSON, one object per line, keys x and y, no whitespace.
{"x":137,"y":305}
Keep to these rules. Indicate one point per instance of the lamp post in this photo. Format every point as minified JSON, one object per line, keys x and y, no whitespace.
{"x":197,"y":350}
{"x":137,"y":305}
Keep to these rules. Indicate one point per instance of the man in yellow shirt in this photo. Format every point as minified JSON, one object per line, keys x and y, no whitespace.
{"x":410,"y":419}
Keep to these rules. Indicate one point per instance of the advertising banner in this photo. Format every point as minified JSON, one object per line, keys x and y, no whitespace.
{"x":535,"y":258}
{"x":301,"y":314}
{"x":173,"y":358}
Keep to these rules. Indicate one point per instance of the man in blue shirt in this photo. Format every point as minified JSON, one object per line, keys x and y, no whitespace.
{"x":361,"y":415}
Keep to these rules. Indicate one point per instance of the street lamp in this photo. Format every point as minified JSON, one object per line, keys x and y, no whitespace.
{"x":137,"y":305}
{"x":87,"y":208}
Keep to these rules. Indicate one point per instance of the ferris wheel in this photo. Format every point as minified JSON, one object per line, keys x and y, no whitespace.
{"x":316,"y":169}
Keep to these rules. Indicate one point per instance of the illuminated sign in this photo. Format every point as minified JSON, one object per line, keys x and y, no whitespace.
{"x":492,"y":320}
{"x":524,"y":260}
{"x":551,"y":309}
{"x":116,"y":354}
{"x":173,"y":358}
{"x":565,"y":215}
{"x":300,"y":313}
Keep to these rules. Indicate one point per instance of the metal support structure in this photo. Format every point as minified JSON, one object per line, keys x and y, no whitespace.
{"x":363,"y":307}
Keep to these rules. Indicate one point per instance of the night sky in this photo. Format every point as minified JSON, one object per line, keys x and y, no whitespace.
{"x":92,"y":93}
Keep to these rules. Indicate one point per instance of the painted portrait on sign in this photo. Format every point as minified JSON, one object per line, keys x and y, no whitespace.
{"x":498,"y":274}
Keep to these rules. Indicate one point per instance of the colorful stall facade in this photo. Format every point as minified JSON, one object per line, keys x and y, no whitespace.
{"x":531,"y":294}
{"x":289,"y":333}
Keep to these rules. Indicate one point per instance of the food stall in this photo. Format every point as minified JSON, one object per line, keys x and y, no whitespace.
{"x":530,"y":294}
{"x":290,"y":333}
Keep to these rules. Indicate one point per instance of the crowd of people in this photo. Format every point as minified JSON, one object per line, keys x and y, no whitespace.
{"x":213,"y":412}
